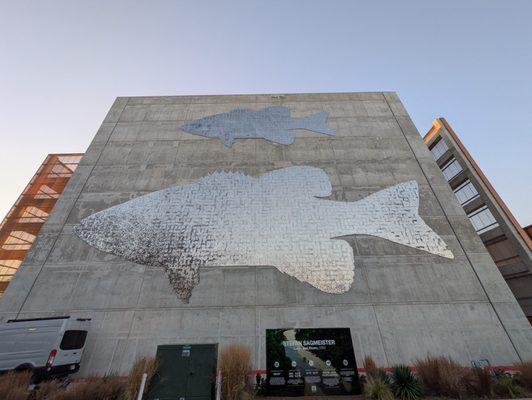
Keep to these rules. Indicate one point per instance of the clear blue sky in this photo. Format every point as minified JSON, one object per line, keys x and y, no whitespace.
{"x":62,"y":63}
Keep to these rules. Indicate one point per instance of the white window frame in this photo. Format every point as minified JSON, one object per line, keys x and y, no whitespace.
{"x":483,"y":220}
{"x":439,"y":149}
{"x":469,"y":189}
{"x":453,"y":166}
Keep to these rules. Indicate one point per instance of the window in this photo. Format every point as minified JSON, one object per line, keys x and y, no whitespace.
{"x":18,"y":240}
{"x":8,"y":269}
{"x":29,"y":214}
{"x":451,"y":169}
{"x":440,"y":148}
{"x":482,"y":220}
{"x":73,"y":340}
{"x":466,"y":192}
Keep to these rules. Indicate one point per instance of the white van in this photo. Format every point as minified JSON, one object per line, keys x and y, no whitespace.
{"x":47,"y":346}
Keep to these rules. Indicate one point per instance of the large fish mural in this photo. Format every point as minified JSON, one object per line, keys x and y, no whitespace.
{"x":271,"y":123}
{"x":277,"y":219}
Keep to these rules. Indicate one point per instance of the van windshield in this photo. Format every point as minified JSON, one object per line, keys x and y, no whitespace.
{"x":73,"y":340}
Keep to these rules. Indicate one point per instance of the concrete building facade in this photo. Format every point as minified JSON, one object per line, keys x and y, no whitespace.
{"x":509,"y":245}
{"x":403,"y":303}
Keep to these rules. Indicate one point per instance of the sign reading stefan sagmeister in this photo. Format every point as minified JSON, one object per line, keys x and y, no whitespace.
{"x":311,"y":362}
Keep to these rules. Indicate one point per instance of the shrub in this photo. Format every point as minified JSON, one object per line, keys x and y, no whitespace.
{"x":48,"y":390}
{"x":109,"y":387}
{"x":405,"y":385}
{"x":369,"y":366}
{"x":94,"y":388}
{"x":376,"y":389}
{"x":14,"y":385}
{"x":16,"y":393}
{"x":525,"y":374}
{"x":383,"y":376}
{"x":507,"y":386}
{"x":235,"y":366}
{"x":441,"y":376}
{"x":373,"y":371}
{"x":132,"y":386}
{"x":479,"y":382}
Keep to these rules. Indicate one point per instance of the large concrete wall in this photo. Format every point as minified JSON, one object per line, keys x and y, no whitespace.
{"x":404,"y":303}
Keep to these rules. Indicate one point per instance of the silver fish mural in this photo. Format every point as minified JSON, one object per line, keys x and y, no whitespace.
{"x":271,"y":123}
{"x":277,"y":219}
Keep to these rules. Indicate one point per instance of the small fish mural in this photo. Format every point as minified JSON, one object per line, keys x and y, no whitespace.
{"x":278,"y":219}
{"x":270,"y":123}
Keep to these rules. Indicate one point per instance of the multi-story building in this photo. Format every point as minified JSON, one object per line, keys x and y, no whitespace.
{"x":506,"y":241}
{"x":24,"y":220}
{"x":219,"y":219}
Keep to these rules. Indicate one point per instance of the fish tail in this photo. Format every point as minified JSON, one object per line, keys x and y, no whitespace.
{"x":315,"y":122}
{"x":393,"y":214}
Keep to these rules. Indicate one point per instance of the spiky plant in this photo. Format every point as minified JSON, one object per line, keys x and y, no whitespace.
{"x":507,"y":386}
{"x":373,"y":371}
{"x":525,"y":374}
{"x":405,"y":385}
{"x":381,"y":374}
{"x":376,"y":389}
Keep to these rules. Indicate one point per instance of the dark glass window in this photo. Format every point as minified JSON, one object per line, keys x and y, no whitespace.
{"x":73,"y":340}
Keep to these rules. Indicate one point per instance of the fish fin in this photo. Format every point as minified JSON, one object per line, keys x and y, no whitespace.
{"x":279,"y":111}
{"x":395,"y":217}
{"x":226,"y":138}
{"x":183,"y":280}
{"x":315,"y":122}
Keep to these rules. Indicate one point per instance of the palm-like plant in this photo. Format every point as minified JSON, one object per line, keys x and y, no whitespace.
{"x":405,"y":385}
{"x":376,"y":389}
{"x":373,"y":372}
{"x":381,"y":374}
{"x":507,"y":386}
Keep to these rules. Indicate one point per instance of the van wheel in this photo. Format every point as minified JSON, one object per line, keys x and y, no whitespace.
{"x":24,"y":367}
{"x":35,"y":376}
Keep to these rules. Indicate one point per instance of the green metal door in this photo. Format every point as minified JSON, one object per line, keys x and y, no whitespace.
{"x":185,"y":372}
